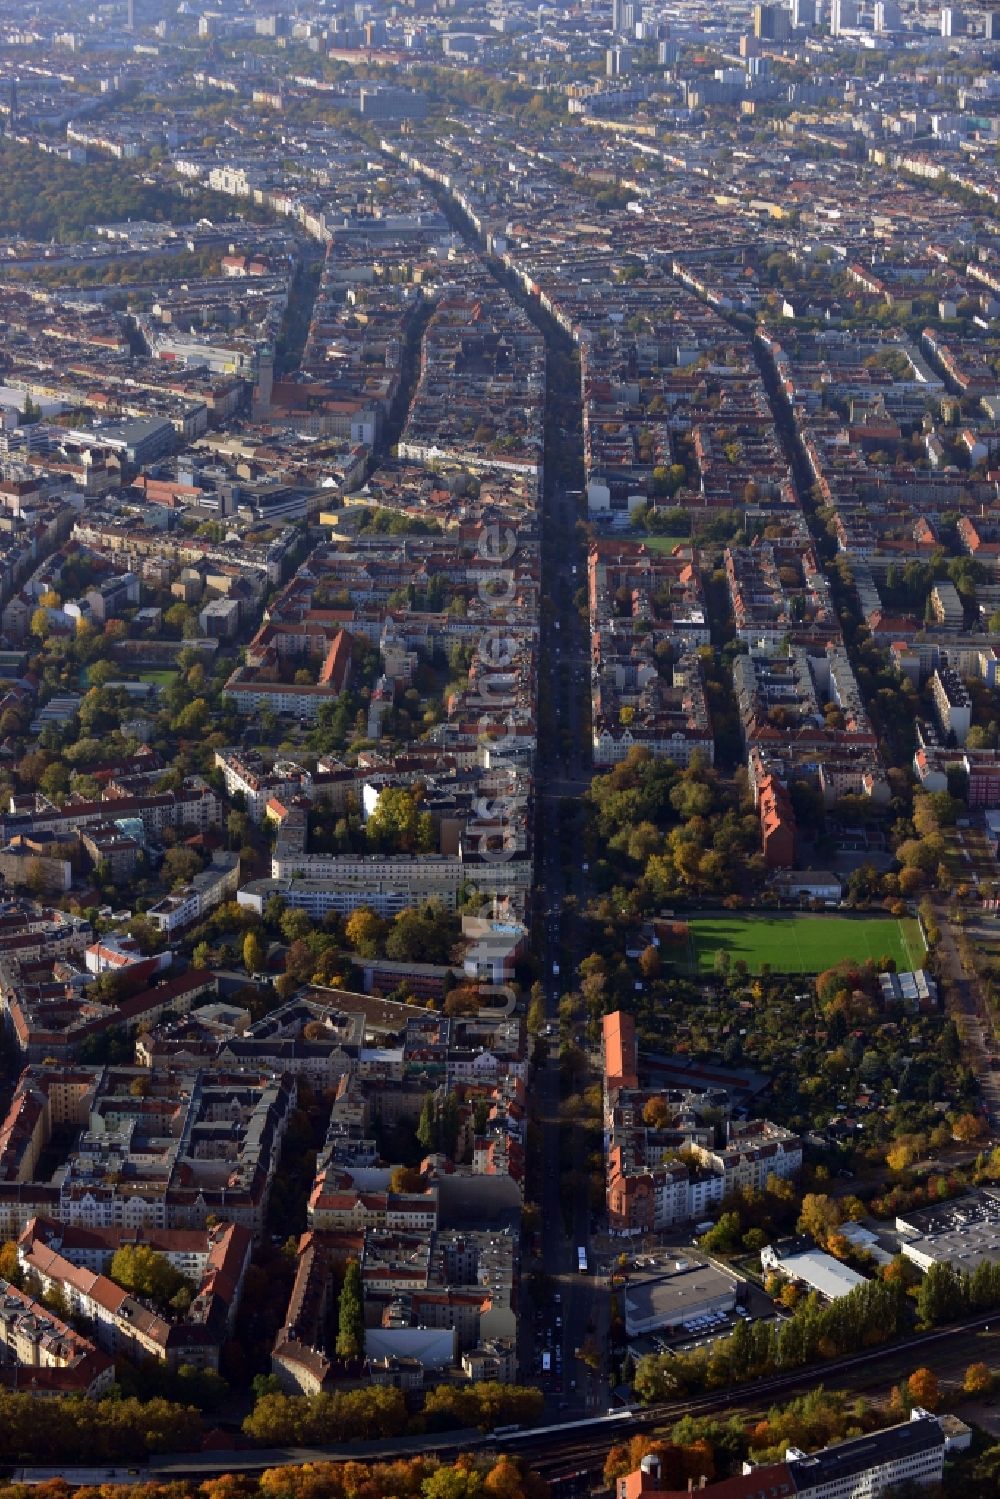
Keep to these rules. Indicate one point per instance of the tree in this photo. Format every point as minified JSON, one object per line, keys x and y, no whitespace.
{"x":193,"y":718}
{"x":300,"y":961}
{"x":922,"y":1388}
{"x":656,"y":1113}
{"x":396,"y":823}
{"x":452,"y":1483}
{"x":139,"y":1269}
{"x":178,"y":617}
{"x":294,"y":923}
{"x":464,"y":1000}
{"x":649,"y":962}
{"x":978,"y":1380}
{"x":364,"y":931}
{"x":285,"y":986}
{"x":437,"y":1128}
{"x":148,"y":936}
{"x":406,"y":1179}
{"x":820,"y":1216}
{"x":536,"y":1011}
{"x":101,"y":673}
{"x":54,"y":782}
{"x":265,"y":1384}
{"x":274,"y":909}
{"x":504,"y":1480}
{"x":180,"y":1301}
{"x":237,"y":824}
{"x":968,"y":1128}
{"x":724,"y":1236}
{"x":254,"y":954}
{"x":41,"y":625}
{"x":987,"y":1471}
{"x":900,"y":1156}
{"x":940,"y":1295}
{"x":351,"y":1315}
{"x":180,"y":865}
{"x":427,"y":1123}
{"x":202,"y":955}
{"x":658,"y":1377}
{"x":10,"y":1269}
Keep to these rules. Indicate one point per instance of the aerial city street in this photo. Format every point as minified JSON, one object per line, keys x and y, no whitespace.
{"x":499,"y":749}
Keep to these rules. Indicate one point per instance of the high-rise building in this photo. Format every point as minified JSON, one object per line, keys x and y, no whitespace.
{"x":619,"y":62}
{"x":887,"y":17}
{"x":771,"y":23}
{"x":130,"y":15}
{"x":843,"y":16}
{"x":993,"y":26}
{"x":803,"y":12}
{"x":952,"y":21}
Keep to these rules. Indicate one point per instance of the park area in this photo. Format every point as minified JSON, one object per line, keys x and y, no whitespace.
{"x":803,"y":944}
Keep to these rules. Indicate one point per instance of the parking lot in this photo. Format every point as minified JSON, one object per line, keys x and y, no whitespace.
{"x":706,"y":1324}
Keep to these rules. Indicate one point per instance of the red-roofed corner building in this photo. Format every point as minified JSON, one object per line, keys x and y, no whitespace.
{"x":621,"y":1057}
{"x":773,"y":1481}
{"x":337,"y":664}
{"x":777,"y":824}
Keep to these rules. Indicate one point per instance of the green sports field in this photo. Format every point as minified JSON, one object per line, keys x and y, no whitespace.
{"x":803,"y":944}
{"x":665,"y":544}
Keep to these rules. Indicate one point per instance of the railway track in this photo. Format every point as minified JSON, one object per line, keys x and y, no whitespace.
{"x":555,"y":1451}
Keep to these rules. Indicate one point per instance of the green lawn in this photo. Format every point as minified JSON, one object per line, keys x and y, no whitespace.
{"x":161,"y":677}
{"x":804,"y":944}
{"x":665,"y":543}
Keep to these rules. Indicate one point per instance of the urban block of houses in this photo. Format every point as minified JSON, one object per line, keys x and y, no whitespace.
{"x":73,"y":1261}
{"x":647,"y":1186}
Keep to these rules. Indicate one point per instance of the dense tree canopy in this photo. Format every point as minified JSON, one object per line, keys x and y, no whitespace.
{"x":45,"y":197}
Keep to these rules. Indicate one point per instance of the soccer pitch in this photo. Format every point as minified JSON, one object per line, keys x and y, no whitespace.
{"x":803,"y":944}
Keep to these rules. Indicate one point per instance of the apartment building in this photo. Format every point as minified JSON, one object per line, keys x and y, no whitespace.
{"x":246,"y":774}
{"x":911,"y":1454}
{"x":208,"y":889}
{"x":952,"y":704}
{"x":41,"y":1352}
